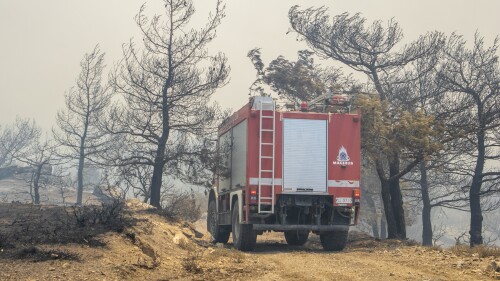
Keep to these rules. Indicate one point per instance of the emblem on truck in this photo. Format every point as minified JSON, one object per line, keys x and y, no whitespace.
{"x":343,"y":158}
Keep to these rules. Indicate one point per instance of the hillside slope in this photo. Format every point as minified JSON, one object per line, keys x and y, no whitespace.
{"x":134,"y":243}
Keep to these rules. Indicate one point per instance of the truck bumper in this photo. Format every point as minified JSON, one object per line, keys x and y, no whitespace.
{"x":287,"y":227}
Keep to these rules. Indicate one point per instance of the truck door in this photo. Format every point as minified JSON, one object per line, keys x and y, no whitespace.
{"x":304,"y":155}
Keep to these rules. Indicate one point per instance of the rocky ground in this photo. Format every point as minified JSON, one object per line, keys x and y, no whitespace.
{"x":134,"y":242}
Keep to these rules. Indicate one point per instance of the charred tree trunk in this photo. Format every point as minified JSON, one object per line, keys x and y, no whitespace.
{"x":388,"y":210}
{"x":426,"y":210}
{"x":383,"y":227}
{"x":36,"y":184}
{"x":476,"y":216}
{"x":81,"y":162}
{"x":375,"y":229}
{"x":156,"y":181}
{"x":35,"y":181}
{"x":81,"y":156}
{"x":397,"y":199}
{"x":159,"y":162}
{"x":370,"y":204}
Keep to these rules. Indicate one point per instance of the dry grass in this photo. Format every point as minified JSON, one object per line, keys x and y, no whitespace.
{"x":186,"y":245}
{"x":191,"y":263}
{"x":480,"y":251}
{"x":231,"y":254}
{"x":486,"y":251}
{"x":460,"y":249}
{"x":436,"y":248}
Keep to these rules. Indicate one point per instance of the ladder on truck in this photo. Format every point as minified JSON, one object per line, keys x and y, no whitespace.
{"x":266,"y":107}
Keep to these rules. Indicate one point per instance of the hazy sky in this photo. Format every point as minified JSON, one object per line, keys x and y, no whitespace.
{"x":42,"y":42}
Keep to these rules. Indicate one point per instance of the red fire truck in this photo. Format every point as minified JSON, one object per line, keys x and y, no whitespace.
{"x":294,"y":170}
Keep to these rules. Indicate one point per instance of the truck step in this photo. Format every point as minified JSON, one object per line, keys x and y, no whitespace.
{"x":266,"y":204}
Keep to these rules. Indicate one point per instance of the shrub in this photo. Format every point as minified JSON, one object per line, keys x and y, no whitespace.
{"x":192,"y":263}
{"x":110,"y":213}
{"x":182,"y":206}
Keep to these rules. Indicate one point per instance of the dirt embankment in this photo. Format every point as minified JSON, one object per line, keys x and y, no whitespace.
{"x":134,"y":243}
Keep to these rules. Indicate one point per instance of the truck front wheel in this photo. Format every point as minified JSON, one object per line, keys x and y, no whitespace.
{"x":244,"y":238}
{"x":220,"y":234}
{"x":334,"y":240}
{"x":296,"y":238}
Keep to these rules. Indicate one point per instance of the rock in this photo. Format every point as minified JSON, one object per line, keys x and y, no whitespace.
{"x":219,"y":245}
{"x":198,"y":234}
{"x":52,"y":268}
{"x":65,"y":265}
{"x":493,"y":266}
{"x":178,"y":237}
{"x":391,"y":274}
{"x":222,"y":271}
{"x":188,"y":235}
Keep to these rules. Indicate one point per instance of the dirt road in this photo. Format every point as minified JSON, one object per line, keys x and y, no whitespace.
{"x":367,"y":260}
{"x":47,"y":244}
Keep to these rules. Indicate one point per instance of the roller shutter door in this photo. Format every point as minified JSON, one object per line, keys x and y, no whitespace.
{"x":305,"y":155}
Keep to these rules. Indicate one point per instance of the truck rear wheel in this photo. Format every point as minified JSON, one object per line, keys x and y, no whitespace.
{"x":296,"y":238}
{"x":219,"y":233}
{"x":334,"y":240}
{"x":244,"y":238}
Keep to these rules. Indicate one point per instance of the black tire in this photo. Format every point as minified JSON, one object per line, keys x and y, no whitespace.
{"x":244,"y":238}
{"x":296,"y":238}
{"x":219,"y":234}
{"x":334,"y":240}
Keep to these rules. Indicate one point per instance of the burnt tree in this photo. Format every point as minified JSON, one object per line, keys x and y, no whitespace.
{"x":78,"y":124}
{"x":15,"y":138}
{"x":166,"y":87}
{"x":371,"y":51}
{"x":472,"y":78}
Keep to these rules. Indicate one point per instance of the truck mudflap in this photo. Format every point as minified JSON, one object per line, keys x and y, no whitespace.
{"x":287,"y":227}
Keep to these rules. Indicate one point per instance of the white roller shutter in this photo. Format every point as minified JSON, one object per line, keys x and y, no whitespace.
{"x":304,"y":155}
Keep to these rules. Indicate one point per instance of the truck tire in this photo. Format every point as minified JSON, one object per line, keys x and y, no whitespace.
{"x":334,"y":240}
{"x":296,"y":238}
{"x":244,"y":238}
{"x":219,"y":234}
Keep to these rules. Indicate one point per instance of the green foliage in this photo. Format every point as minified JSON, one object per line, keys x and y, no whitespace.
{"x":300,"y":80}
{"x":394,"y":131}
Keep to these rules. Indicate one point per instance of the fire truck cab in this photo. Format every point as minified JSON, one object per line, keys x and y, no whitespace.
{"x":294,"y":170}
